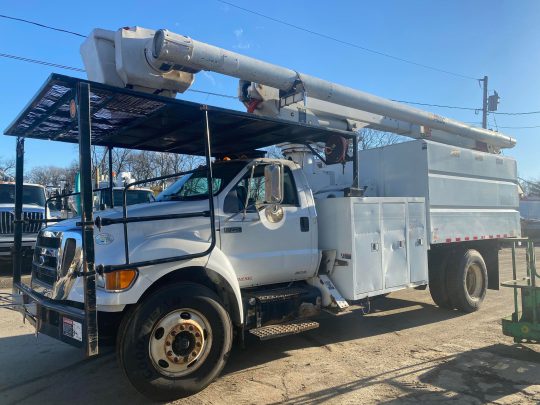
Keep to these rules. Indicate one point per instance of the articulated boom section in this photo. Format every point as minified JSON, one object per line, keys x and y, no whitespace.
{"x":165,"y":62}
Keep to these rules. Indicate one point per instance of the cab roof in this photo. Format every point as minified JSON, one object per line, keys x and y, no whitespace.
{"x":128,"y":119}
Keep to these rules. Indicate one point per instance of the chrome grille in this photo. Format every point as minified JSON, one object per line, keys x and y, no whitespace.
{"x":45,"y":259}
{"x":6,"y":222}
{"x":8,"y":228}
{"x":57,"y":258}
{"x":32,"y":227}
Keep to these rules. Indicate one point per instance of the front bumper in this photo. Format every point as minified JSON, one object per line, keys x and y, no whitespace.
{"x":6,"y":245}
{"x":62,"y":320}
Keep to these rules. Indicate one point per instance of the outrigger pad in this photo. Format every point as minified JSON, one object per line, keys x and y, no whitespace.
{"x":128,"y":119}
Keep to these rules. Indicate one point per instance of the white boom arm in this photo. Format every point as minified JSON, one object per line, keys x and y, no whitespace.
{"x":164,"y":54}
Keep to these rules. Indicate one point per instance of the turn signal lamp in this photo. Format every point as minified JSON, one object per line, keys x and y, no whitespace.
{"x":120,"y":280}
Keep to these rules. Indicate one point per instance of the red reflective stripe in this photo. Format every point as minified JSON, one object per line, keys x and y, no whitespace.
{"x":448,"y":240}
{"x":490,"y":236}
{"x":458,"y":239}
{"x":475,"y":237}
{"x":467,"y":238}
{"x":498,"y":236}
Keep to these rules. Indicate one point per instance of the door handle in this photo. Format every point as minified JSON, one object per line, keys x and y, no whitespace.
{"x":304,"y":224}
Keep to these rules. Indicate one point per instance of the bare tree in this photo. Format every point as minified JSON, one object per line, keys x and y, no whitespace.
{"x":371,"y":138}
{"x":52,"y":175}
{"x":7,"y":168}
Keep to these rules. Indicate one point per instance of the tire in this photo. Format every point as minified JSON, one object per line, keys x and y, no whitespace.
{"x":159,"y":346}
{"x":437,"y":269}
{"x":467,"y":281}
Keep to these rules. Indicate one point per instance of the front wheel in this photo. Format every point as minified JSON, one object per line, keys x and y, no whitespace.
{"x":175,"y":342}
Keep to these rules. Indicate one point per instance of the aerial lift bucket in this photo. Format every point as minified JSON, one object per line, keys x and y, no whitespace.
{"x":524,"y":323}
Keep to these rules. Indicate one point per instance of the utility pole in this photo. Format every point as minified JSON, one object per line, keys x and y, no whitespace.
{"x":485,"y":102}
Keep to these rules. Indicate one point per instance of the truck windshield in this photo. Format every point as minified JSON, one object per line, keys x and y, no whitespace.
{"x":194,"y":186}
{"x":32,"y":195}
{"x":132,"y":197}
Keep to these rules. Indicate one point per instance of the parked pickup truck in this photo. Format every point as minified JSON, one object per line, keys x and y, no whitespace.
{"x":134,"y":196}
{"x":33,"y":208}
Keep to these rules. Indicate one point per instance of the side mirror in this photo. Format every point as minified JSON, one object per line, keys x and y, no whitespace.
{"x":273,"y":183}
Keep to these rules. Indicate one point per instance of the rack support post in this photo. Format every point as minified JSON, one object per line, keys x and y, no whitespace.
{"x":85,"y":164}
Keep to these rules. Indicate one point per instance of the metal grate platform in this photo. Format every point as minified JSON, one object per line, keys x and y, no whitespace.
{"x":285,"y":329}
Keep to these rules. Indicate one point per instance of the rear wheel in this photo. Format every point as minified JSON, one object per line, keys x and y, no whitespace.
{"x":467,"y":281}
{"x":175,"y":342}
{"x":438,"y":264}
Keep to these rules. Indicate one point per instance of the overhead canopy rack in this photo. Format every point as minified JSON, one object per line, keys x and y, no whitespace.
{"x":128,"y":119}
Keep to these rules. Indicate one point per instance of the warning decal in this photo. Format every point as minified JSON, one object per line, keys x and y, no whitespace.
{"x":72,"y":329}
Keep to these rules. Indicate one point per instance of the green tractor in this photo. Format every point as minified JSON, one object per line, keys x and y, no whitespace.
{"x":524,"y":324}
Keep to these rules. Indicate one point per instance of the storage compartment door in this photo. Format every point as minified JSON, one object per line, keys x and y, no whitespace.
{"x":396,"y":270}
{"x":367,"y":248}
{"x":417,"y":243}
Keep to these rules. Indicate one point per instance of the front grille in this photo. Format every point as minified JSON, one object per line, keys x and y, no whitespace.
{"x":45,"y":259}
{"x":48,"y":242}
{"x":6,"y":223}
{"x":32,"y":227}
{"x":43,"y":274}
{"x":7,"y":227}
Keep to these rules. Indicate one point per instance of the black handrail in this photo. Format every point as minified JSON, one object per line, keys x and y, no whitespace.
{"x":125,"y":219}
{"x":103,"y":269}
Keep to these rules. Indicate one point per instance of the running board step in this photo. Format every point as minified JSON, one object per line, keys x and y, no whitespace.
{"x":280,"y":294}
{"x":284,"y":329}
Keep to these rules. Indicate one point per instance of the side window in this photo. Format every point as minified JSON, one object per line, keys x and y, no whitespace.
{"x":255,"y":187}
{"x":290,"y":193}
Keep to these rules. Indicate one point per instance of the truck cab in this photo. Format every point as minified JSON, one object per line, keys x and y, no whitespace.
{"x":258,"y":243}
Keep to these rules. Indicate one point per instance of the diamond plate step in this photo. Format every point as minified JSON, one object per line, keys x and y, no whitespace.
{"x":284,"y":329}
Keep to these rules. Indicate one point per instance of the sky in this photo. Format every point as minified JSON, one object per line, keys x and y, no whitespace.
{"x":500,"y":39}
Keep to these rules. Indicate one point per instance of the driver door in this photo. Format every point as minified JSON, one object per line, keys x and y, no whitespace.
{"x":267,"y":245}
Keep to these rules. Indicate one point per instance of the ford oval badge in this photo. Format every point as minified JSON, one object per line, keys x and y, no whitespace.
{"x":103,"y":238}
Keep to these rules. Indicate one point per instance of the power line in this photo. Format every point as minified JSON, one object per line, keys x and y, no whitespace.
{"x":56,"y":65}
{"x":524,"y":127}
{"x":514,"y":113}
{"x":212,"y":94}
{"x":41,"y":62}
{"x":42,"y":25}
{"x":438,"y":105}
{"x":351,"y":44}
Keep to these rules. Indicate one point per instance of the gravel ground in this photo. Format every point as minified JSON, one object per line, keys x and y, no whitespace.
{"x":405,"y":351}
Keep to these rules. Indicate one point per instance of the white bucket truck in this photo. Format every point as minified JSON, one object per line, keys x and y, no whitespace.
{"x":246,"y":243}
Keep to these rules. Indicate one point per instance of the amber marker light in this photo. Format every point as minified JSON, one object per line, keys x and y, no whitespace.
{"x":120,"y":280}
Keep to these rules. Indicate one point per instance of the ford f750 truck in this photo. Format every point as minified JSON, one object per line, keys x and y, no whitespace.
{"x":248,"y":244}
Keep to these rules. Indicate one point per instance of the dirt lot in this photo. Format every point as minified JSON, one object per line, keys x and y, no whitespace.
{"x":405,"y":351}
